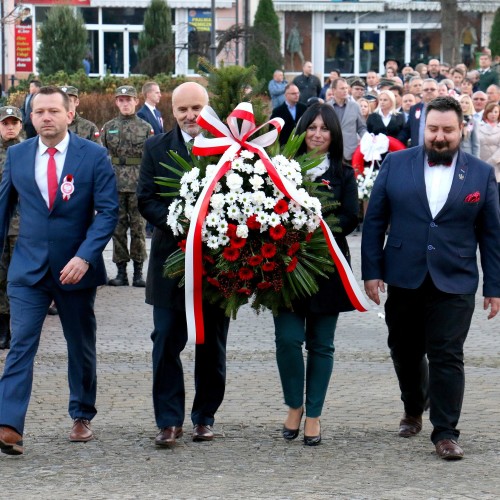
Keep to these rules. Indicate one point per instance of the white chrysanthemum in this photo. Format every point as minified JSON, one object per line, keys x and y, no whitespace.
{"x":313,"y":223}
{"x":299,"y":220}
{"x":242,"y":231}
{"x":258,"y":198}
{"x":213,"y":242}
{"x":248,"y":210}
{"x":285,"y":216}
{"x":223,"y":240}
{"x":190,"y":198}
{"x":274,"y":220}
{"x":217,"y":187}
{"x":188,"y":211}
{"x":261,"y":217}
{"x":295,"y":164}
{"x":237,"y":163}
{"x":234,"y":182}
{"x":269,"y":203}
{"x":210,"y":170}
{"x":248,"y":155}
{"x":233,"y":211}
{"x":245,"y":198}
{"x":195,"y":186}
{"x":222,"y":227}
{"x":247,"y":168}
{"x":217,"y":201}
{"x":184,"y":190}
{"x":259,"y":168}
{"x":256,"y":181}
{"x":212,"y":220}
{"x":241,"y":219}
{"x":232,"y":197}
{"x":192,"y":175}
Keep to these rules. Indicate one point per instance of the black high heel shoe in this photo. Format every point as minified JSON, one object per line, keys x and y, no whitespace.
{"x":313,"y":440}
{"x":291,"y":434}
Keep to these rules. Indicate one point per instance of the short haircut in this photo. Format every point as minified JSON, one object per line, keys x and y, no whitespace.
{"x":146,"y":88}
{"x":446,"y":103}
{"x":50,"y":90}
{"x":36,"y":83}
{"x":397,"y":88}
{"x":336,"y":81}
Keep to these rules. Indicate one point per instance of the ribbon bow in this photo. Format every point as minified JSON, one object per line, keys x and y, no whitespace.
{"x":228,"y":141}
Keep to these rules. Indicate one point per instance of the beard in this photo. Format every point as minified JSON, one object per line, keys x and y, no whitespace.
{"x":437,"y":154}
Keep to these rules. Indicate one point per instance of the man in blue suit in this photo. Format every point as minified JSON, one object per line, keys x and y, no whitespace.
{"x":68,"y":208}
{"x":148,"y":112}
{"x":415,"y":125}
{"x":441,"y":203}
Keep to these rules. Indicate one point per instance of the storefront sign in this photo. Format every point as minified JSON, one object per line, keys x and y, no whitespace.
{"x":200,"y":20}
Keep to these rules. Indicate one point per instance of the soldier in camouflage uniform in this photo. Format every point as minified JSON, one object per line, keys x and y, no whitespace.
{"x":11,"y":126}
{"x":80,"y":126}
{"x":124,"y":136}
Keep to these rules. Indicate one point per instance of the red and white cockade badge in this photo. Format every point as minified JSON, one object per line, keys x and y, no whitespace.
{"x":67,"y":187}
{"x":417,"y":114}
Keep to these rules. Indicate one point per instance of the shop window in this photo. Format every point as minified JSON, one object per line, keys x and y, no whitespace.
{"x":93,"y":50}
{"x":425,"y":45}
{"x":127,"y":15}
{"x":90,"y":14}
{"x":298,"y":41}
{"x":339,"y":50}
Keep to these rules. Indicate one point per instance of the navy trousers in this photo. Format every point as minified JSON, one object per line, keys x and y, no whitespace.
{"x":28,"y":305}
{"x":169,"y":339}
{"x":427,"y":331}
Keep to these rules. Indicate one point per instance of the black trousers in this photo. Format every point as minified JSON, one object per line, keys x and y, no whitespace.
{"x":169,"y":339}
{"x":427,"y":331}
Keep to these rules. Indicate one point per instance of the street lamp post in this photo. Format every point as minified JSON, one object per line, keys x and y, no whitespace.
{"x":213,"y":47}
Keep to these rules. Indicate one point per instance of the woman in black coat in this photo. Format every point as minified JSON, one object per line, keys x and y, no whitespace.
{"x":385,"y":119}
{"x":312,"y":321}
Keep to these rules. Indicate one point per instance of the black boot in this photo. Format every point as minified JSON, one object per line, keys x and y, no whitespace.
{"x":4,"y":331}
{"x":121,"y":278}
{"x":138,"y":279}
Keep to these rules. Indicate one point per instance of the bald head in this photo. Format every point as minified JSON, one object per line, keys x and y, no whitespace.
{"x":188,"y":99}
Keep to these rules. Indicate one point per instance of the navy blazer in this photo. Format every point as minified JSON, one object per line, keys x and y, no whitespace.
{"x":412,"y":126}
{"x":283,"y":112}
{"x":80,"y":226}
{"x":444,"y":246}
{"x":160,"y":291}
{"x":146,"y":114}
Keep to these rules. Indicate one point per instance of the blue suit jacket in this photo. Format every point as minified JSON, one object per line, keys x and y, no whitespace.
{"x":444,"y":246}
{"x":80,"y":226}
{"x":146,"y":115}
{"x":412,"y":126}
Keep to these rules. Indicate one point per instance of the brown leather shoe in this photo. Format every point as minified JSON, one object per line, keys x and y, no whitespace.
{"x":448,"y":449}
{"x":81,"y":431}
{"x":167,"y":436}
{"x":11,"y":442}
{"x":410,"y":426}
{"x":203,"y":432}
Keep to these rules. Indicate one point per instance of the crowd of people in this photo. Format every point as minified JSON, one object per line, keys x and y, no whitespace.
{"x":434,"y":204}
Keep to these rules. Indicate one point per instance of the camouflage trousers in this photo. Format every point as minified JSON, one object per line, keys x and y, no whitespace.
{"x":129,"y":218}
{"x":4,"y":266}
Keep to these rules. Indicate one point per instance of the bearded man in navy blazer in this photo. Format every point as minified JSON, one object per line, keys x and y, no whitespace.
{"x":441,"y":204}
{"x":68,"y":208}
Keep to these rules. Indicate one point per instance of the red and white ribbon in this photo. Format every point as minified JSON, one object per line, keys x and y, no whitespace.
{"x":228,"y":141}
{"x":67,"y":187}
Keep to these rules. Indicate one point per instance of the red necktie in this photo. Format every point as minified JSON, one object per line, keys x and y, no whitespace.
{"x":51,"y":176}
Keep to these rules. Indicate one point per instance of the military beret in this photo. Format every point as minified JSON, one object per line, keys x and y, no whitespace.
{"x":357,"y":83}
{"x":370,"y":97}
{"x":70,"y":90}
{"x":386,"y":83}
{"x":9,"y":112}
{"x":126,"y":90}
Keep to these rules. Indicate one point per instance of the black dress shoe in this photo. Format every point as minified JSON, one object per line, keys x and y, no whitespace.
{"x":313,"y":440}
{"x":291,"y":434}
{"x":203,"y":432}
{"x":167,"y":436}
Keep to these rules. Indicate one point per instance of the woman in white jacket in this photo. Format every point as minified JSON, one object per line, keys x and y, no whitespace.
{"x":489,"y":137}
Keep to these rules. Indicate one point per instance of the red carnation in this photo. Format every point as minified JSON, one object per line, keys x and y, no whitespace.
{"x":245,"y":291}
{"x":277,"y":232}
{"x":264,"y":284}
{"x":281,"y":207}
{"x":268,"y":250}
{"x":209,"y":259}
{"x":294,"y":248}
{"x":309,"y":236}
{"x":252,"y":222}
{"x":182,"y":245}
{"x":254,"y":260}
{"x":293,"y":264}
{"x":268,"y":266}
{"x":245,"y":273}
{"x":213,"y":281}
{"x":231,"y":230}
{"x":237,"y":242}
{"x":230,"y":253}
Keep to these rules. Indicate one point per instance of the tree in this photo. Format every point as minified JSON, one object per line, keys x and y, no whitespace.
{"x":265,"y":45}
{"x":495,"y":35}
{"x":63,"y":41}
{"x":156,"y":42}
{"x":449,"y":32}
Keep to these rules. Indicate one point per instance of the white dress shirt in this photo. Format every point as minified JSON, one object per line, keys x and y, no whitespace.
{"x":41,"y":161}
{"x":438,"y":181}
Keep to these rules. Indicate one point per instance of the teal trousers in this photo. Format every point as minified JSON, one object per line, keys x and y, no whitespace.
{"x":317,"y":332}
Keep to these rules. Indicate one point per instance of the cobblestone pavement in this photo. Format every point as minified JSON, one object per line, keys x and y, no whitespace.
{"x":361,"y":456}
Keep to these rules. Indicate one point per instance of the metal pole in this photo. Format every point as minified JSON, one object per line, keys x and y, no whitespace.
{"x":2,"y":41}
{"x":247,"y":27}
{"x":213,"y":47}
{"x":237,"y":41}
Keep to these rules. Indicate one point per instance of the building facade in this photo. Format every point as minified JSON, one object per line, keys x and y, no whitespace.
{"x":352,"y":36}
